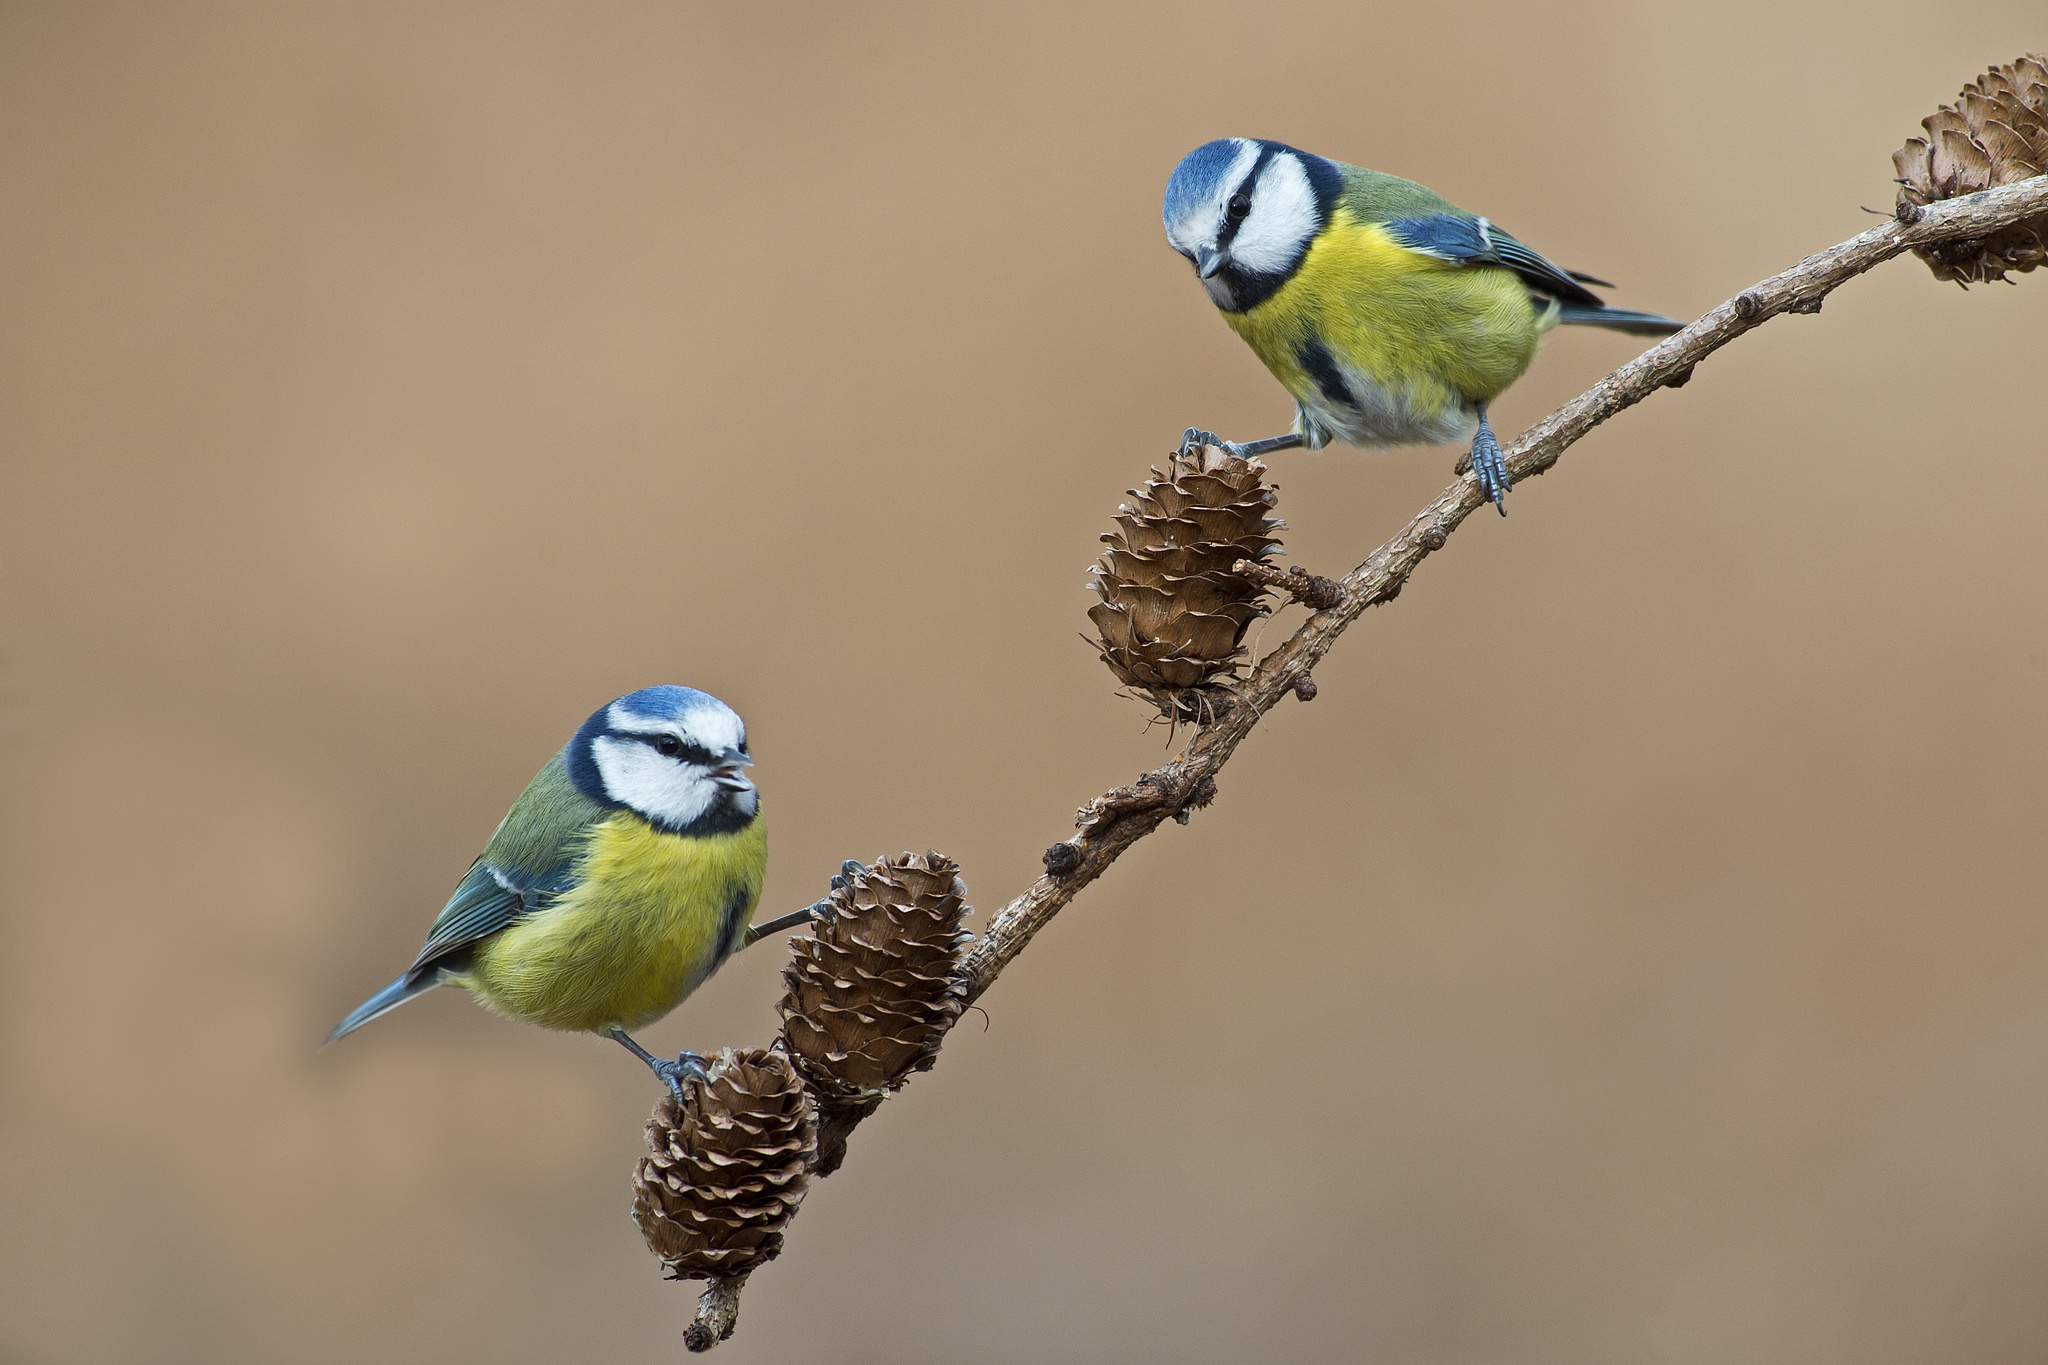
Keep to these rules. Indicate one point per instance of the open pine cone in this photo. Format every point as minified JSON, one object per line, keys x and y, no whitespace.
{"x":1173,"y":616}
{"x":725,"y":1172}
{"x":1995,"y":133}
{"x":874,"y":986}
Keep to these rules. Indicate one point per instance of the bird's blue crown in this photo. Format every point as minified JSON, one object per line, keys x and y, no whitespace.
{"x":1199,"y":176}
{"x":663,"y":704}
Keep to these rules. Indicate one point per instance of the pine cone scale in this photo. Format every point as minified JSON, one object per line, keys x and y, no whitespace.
{"x":873,"y":989}
{"x":1172,"y":615}
{"x":726,"y":1170}
{"x":1996,"y":133}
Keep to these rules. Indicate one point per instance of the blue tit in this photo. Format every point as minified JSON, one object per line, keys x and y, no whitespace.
{"x":624,"y":875}
{"x":1390,"y":314}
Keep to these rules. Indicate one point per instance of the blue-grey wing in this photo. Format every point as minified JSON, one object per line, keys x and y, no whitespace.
{"x":487,"y":900}
{"x":1474,"y":241}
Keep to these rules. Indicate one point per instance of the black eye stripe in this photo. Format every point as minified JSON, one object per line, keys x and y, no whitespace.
{"x":1233,"y":221}
{"x":670,"y":747}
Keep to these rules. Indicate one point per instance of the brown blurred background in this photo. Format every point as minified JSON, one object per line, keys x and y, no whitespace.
{"x":1637,"y":954}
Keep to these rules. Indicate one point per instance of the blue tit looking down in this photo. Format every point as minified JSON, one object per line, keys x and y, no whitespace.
{"x":624,"y":876}
{"x":1390,"y":314}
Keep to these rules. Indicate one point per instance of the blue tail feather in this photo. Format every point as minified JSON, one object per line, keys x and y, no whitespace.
{"x":384,"y":1001}
{"x":1618,"y":319}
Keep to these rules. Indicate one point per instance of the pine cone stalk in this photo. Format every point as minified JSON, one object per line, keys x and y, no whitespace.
{"x":1173,"y":615}
{"x":873,"y":988}
{"x":1996,"y":133}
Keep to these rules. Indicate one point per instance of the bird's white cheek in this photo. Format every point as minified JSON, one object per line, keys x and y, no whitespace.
{"x":1283,"y":218}
{"x":659,"y":788}
{"x":746,"y":802}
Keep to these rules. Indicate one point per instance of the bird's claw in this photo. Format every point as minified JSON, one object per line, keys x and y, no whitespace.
{"x":1194,"y":438}
{"x":688,"y":1066}
{"x":1490,"y":468}
{"x":818,"y":909}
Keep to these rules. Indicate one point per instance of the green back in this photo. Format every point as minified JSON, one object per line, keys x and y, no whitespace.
{"x":1375,"y":197}
{"x":546,"y":824}
{"x":528,"y":861}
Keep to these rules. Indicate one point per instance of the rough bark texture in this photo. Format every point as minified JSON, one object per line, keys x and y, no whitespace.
{"x":718,"y":1312}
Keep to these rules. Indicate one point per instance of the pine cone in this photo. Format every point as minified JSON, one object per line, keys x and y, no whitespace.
{"x":1996,"y":133}
{"x":1173,"y":616}
{"x":725,"y":1172}
{"x":873,"y":988}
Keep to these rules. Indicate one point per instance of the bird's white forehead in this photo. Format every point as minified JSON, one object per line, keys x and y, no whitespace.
{"x":714,"y":725}
{"x":1199,"y":222}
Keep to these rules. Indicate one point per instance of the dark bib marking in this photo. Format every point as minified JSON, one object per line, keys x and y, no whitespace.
{"x":730,"y":927}
{"x":723,"y":818}
{"x":1322,"y":367}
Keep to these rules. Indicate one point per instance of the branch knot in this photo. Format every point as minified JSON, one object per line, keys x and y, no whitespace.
{"x":1311,"y":590}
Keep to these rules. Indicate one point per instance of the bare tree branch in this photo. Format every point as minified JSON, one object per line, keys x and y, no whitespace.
{"x":1117,"y":819}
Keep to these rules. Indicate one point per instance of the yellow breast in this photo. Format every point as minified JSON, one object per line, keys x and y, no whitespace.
{"x":1413,"y":340}
{"x":649,"y":918}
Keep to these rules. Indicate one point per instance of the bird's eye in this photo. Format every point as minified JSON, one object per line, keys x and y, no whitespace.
{"x":668,"y":745}
{"x":1240,"y":204}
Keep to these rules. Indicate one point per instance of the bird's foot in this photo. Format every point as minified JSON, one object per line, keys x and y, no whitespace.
{"x":1194,"y":438}
{"x":672,"y":1073}
{"x":689,"y":1066}
{"x":848,"y":870}
{"x":1488,"y":465}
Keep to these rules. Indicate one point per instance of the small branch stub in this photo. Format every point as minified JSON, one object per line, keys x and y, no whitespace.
{"x":1311,"y":590}
{"x":718,"y":1312}
{"x":1061,"y":860}
{"x":1204,"y":793}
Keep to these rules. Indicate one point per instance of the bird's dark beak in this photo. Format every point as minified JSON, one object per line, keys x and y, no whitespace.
{"x":1208,"y":260}
{"x":730,"y":772}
